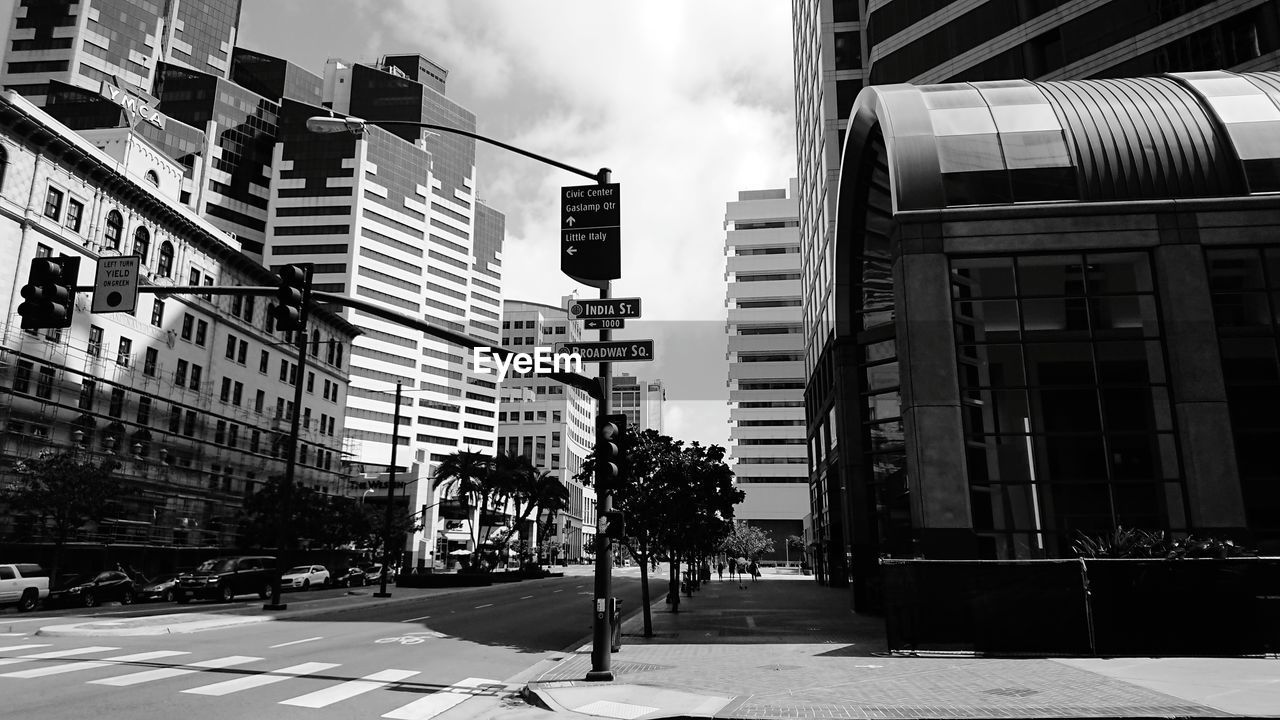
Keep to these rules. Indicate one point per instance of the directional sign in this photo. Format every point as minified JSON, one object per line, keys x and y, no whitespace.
{"x":619,"y":351}
{"x":590,"y":233}
{"x":610,"y":308}
{"x":115,"y":288}
{"x":603,"y":324}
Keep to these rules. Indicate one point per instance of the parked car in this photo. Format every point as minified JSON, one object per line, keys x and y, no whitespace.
{"x":159,"y":588}
{"x":24,"y":585}
{"x":373,"y":574}
{"x":304,"y":577}
{"x":224,"y":578}
{"x":351,"y":577}
{"x":92,"y":590}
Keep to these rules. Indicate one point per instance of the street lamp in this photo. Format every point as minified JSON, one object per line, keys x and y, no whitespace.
{"x":599,"y":389}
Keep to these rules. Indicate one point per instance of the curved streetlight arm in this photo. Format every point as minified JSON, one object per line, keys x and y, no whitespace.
{"x":321,"y":124}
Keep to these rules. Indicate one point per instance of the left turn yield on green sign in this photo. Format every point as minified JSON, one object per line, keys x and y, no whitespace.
{"x":115,"y":289}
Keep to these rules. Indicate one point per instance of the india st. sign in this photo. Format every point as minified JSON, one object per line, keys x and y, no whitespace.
{"x":590,"y":233}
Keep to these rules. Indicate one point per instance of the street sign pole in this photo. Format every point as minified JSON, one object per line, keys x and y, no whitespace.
{"x":601,"y":638}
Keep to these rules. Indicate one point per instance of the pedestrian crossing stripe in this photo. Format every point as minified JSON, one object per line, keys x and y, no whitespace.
{"x":91,"y":664}
{"x":424,"y":708}
{"x":349,"y":689}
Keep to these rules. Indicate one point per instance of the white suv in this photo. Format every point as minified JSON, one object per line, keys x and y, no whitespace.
{"x":305,"y":577}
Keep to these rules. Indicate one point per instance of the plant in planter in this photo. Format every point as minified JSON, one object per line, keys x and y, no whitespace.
{"x":1133,"y":543}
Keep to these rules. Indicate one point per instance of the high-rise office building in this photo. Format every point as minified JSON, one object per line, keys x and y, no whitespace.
{"x":549,"y":423}
{"x":642,"y":401}
{"x":842,"y":45}
{"x":117,"y":42}
{"x":766,"y":365}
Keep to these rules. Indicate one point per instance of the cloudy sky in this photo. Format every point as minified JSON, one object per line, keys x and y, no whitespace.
{"x":687,"y":103}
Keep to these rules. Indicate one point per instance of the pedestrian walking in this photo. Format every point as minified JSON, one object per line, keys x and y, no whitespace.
{"x":754,"y":569}
{"x":733,"y":569}
{"x":720,"y":570}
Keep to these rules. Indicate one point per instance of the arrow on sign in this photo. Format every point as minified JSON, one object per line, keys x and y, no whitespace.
{"x":571,"y":250}
{"x":569,"y":221}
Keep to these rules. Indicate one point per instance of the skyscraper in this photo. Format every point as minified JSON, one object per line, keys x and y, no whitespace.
{"x":766,"y":370}
{"x":951,"y":42}
{"x":90,"y":42}
{"x":640,"y":400}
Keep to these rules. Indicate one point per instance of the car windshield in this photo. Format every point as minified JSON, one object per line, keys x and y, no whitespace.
{"x":217,"y":565}
{"x":164,"y":579}
{"x":301,"y":569}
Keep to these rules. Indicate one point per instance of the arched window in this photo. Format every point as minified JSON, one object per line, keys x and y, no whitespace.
{"x":164,"y":268}
{"x":141,"y":243}
{"x":153,"y":178}
{"x":115,"y":228}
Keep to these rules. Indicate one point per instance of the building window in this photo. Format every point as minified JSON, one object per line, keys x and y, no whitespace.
{"x":88,"y":394}
{"x":141,"y":243}
{"x":202,"y":330}
{"x":75,"y":213}
{"x":196,"y":371}
{"x":150,"y":361}
{"x":53,"y":203}
{"x":115,"y":229}
{"x":164,"y":265}
{"x":153,"y":177}
{"x":231,"y":347}
{"x":116,"y":408}
{"x":44,"y":384}
{"x":188,"y":325}
{"x":1064,"y":399}
{"x":264,"y":361}
{"x":226,"y":390}
{"x":259,"y":398}
{"x":180,"y":374}
{"x":237,"y":393}
{"x":144,"y":411}
{"x":157,"y":312}
{"x":22,"y":376}
{"x":94,"y":347}
{"x":125,"y":353}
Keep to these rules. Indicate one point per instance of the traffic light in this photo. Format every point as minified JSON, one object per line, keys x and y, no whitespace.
{"x":614,"y":524}
{"x":50,"y":293}
{"x":294,"y":292}
{"x":611,"y":446}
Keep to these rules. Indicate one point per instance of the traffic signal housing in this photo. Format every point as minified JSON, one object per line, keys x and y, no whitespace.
{"x":292,"y":295}
{"x":612,"y":443}
{"x":615,"y":524}
{"x":50,"y":293}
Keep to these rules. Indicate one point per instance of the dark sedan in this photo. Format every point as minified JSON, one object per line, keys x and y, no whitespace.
{"x":92,"y":590}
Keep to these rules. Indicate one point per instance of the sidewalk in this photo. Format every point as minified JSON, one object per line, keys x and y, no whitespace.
{"x":786,"y":647}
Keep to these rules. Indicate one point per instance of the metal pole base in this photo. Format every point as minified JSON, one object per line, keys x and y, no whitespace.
{"x":600,"y":676}
{"x":275,"y":606}
{"x":382,"y":594}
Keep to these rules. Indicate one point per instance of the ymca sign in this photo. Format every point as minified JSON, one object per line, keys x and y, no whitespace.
{"x":136,"y":108}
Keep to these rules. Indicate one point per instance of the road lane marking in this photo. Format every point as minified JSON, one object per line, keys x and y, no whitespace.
{"x":15,"y":648}
{"x":438,"y":702}
{"x":586,"y":592}
{"x":560,"y":590}
{"x":12,"y":634}
{"x":424,"y":617}
{"x":349,"y":689}
{"x":166,"y":673}
{"x":578,"y":586}
{"x":91,"y":664}
{"x":267,"y":678}
{"x":57,"y":654}
{"x":484,"y":606}
{"x":297,"y":642}
{"x":526,"y":597}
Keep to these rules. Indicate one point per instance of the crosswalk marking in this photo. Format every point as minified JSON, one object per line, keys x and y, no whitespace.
{"x":267,"y":678}
{"x":57,"y":654}
{"x":15,"y":648}
{"x":349,"y":689}
{"x":436,"y":703}
{"x":165,"y":673}
{"x":90,"y":664}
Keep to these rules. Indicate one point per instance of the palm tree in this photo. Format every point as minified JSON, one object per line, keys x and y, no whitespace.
{"x":467,"y":473}
{"x":551,"y":497}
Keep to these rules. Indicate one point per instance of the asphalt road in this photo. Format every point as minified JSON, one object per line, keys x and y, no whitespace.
{"x":345,"y":656}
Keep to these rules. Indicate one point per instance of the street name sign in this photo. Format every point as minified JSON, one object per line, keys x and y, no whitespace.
{"x":590,"y":233}
{"x":603,"y":324}
{"x":616,"y":351}
{"x":115,"y":287}
{"x":605,"y":308}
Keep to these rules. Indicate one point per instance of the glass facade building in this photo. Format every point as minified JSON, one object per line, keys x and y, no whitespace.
{"x":1059,"y":316}
{"x":843,"y":45}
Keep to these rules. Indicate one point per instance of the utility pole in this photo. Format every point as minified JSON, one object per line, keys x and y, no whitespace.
{"x":391,"y":489}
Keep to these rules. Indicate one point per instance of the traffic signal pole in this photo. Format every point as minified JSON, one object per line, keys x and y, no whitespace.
{"x":601,"y":638}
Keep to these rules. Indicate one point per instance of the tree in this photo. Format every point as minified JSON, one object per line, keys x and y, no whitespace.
{"x":470,"y":476}
{"x":746,"y":541}
{"x":64,"y":490}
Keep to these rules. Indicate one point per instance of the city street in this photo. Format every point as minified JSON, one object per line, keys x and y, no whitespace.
{"x":342,"y":656}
